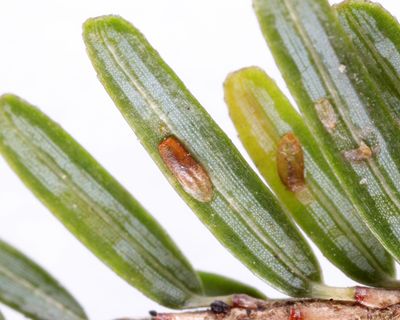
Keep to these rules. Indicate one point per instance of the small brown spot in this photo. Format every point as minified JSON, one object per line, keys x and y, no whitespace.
{"x":326,"y":114}
{"x":363,"y":152}
{"x":290,"y":162}
{"x":191,"y":175}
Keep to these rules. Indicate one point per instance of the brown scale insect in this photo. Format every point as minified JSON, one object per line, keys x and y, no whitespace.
{"x":290,"y":162}
{"x":363,"y":152}
{"x":190,"y":174}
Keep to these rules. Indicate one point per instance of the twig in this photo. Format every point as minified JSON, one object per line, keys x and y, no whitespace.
{"x":294,"y":310}
{"x":362,"y":304}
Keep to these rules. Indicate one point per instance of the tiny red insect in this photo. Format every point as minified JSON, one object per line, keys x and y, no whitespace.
{"x":360,"y":294}
{"x":295,"y":314}
{"x":190,"y":174}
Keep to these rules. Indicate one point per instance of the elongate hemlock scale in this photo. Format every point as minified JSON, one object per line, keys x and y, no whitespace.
{"x":190,"y":174}
{"x":290,"y":162}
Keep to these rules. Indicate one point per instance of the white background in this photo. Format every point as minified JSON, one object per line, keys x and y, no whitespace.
{"x":43,"y":59}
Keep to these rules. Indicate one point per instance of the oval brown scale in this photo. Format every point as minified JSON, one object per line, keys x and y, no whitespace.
{"x":290,"y":162}
{"x":190,"y":174}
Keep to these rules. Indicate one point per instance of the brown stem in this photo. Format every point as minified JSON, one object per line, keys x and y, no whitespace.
{"x":305,"y":310}
{"x":292,"y":310}
{"x":363,"y":304}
